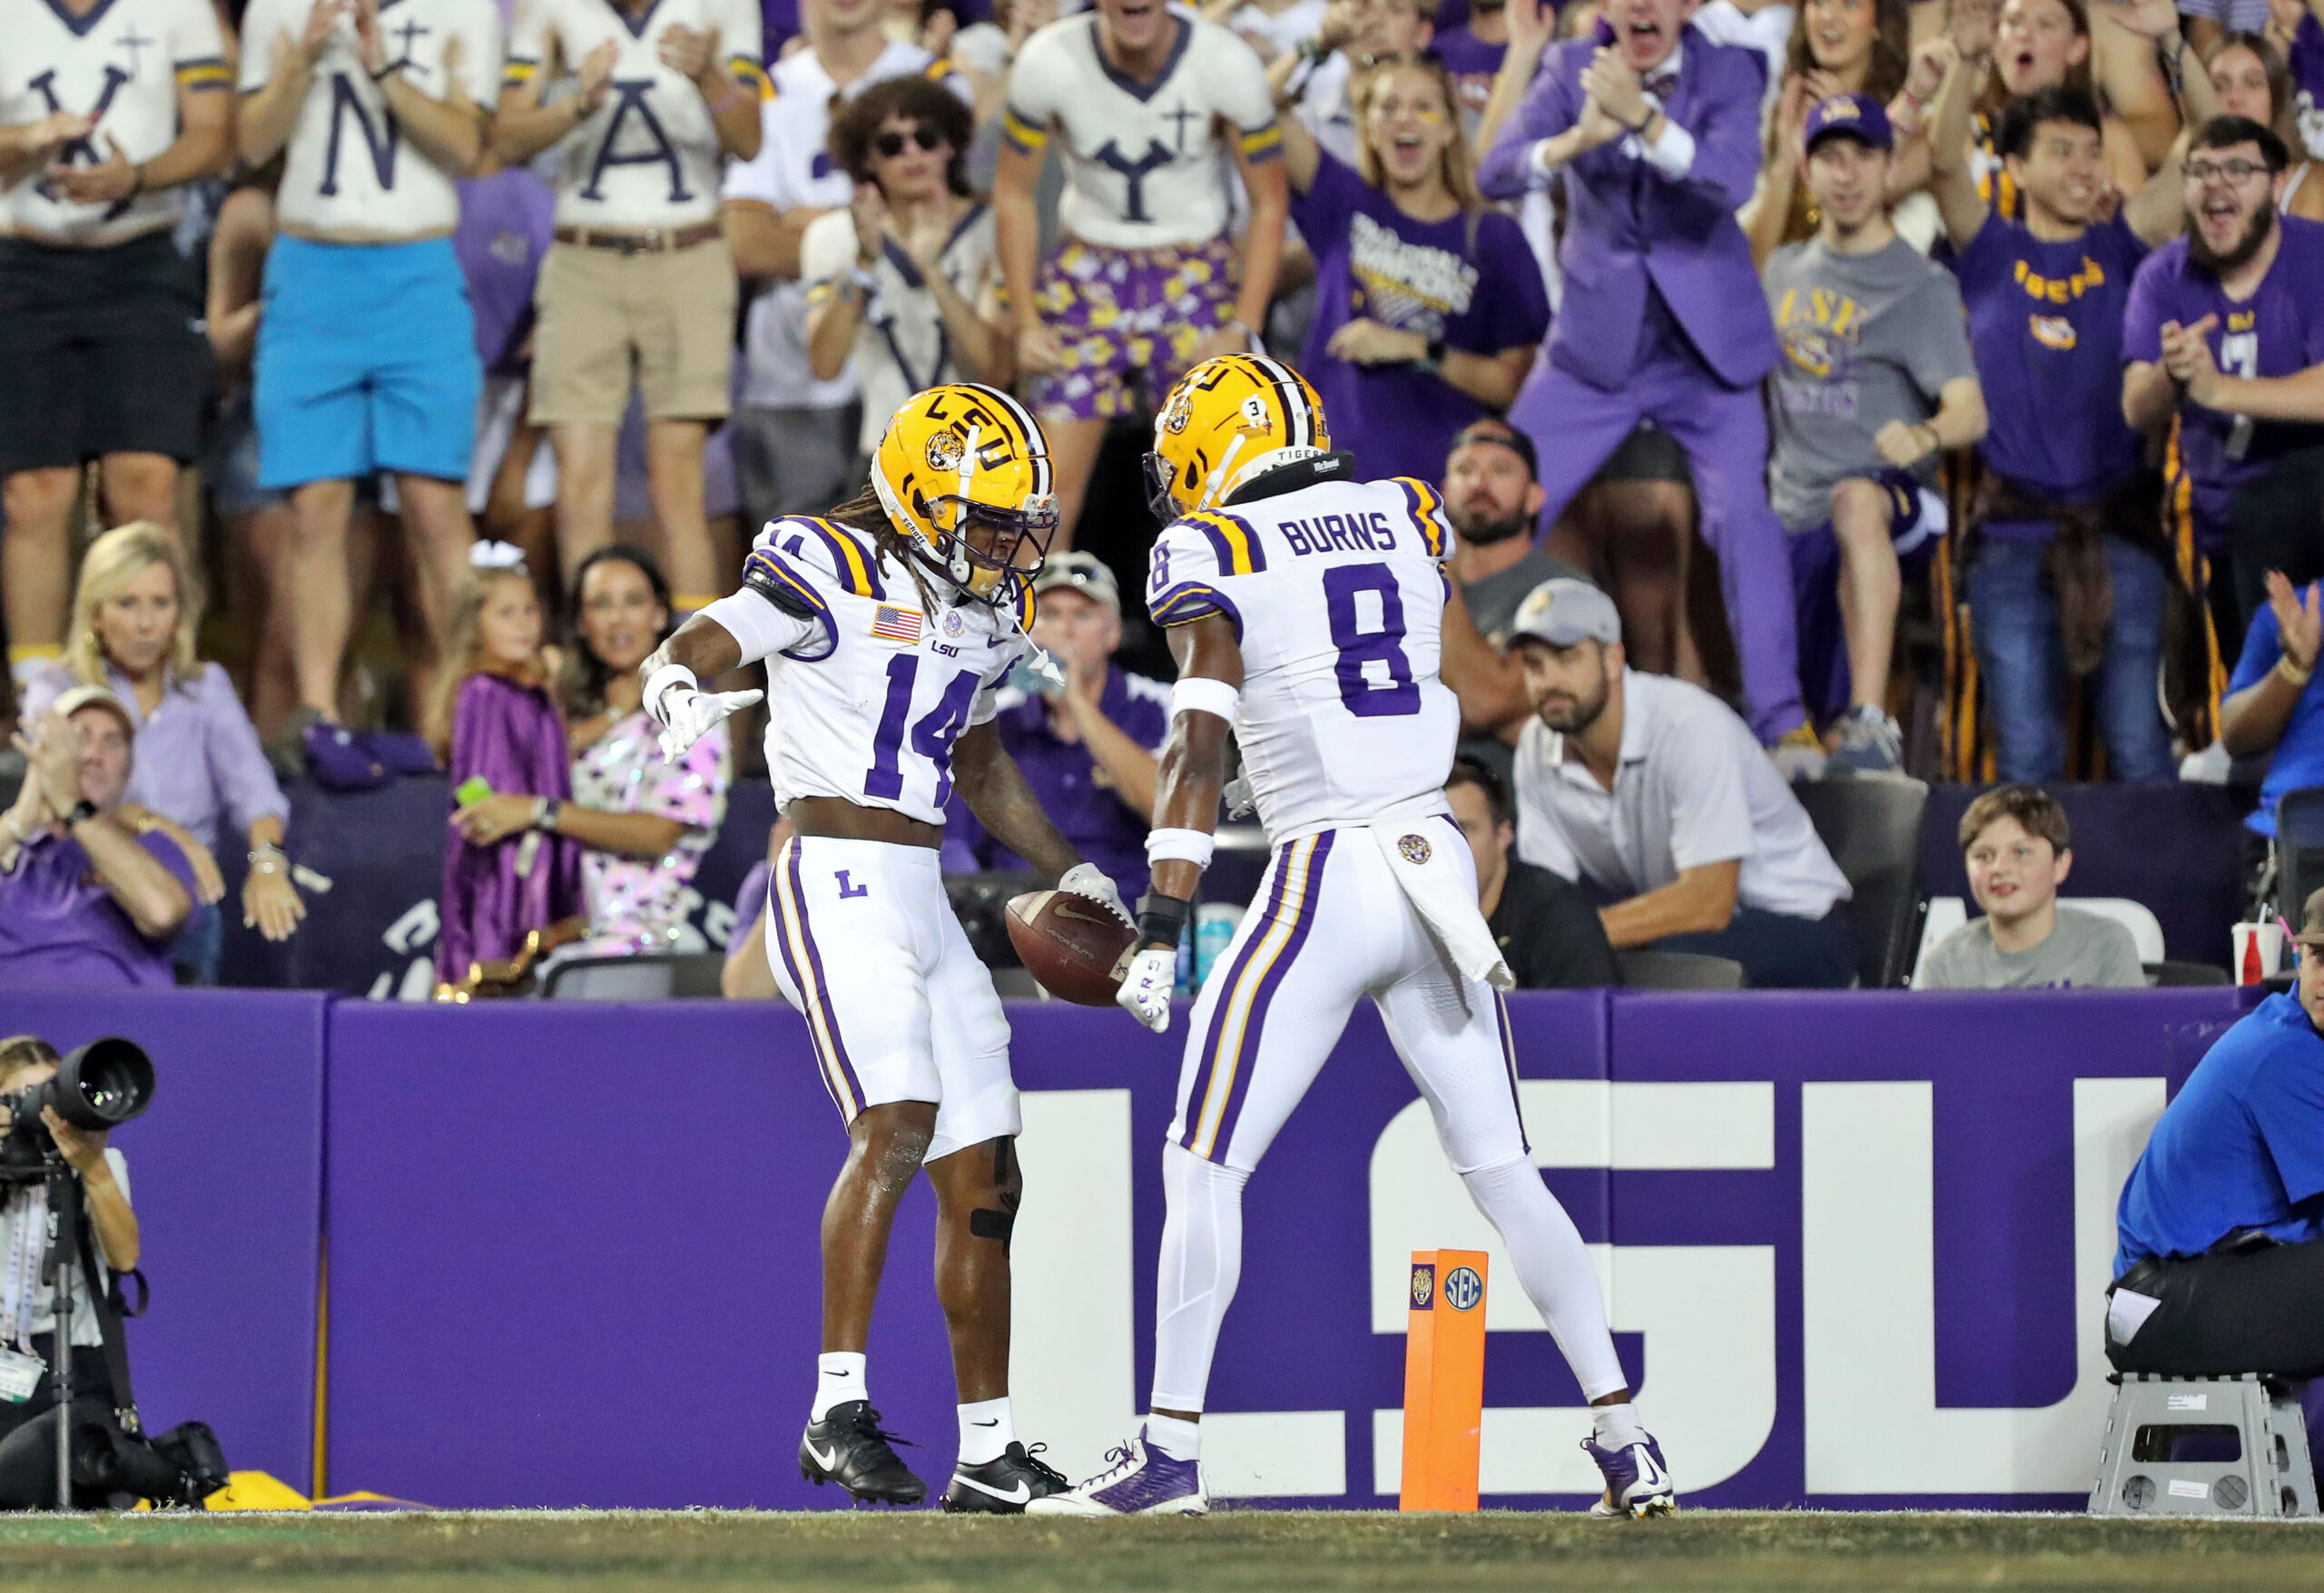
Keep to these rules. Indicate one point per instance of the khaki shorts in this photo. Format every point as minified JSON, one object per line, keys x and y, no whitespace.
{"x":669,"y":316}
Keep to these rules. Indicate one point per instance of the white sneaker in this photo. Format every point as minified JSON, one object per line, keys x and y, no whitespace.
{"x":1142,"y":1481}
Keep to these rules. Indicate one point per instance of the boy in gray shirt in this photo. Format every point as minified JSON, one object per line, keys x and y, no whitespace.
{"x":1876,"y":383}
{"x":2015,"y":842}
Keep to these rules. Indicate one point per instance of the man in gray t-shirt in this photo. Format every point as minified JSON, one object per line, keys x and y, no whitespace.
{"x":2017,"y":850}
{"x":1876,"y":383}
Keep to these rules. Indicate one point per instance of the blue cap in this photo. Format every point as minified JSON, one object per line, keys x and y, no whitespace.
{"x":1858,"y":116}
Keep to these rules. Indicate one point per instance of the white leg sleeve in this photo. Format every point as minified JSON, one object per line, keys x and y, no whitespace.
{"x":1202,"y":1261}
{"x":1552,"y":1267}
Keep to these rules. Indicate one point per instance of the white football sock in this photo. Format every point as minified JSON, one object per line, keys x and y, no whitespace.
{"x":1202,"y":1261}
{"x":1174,"y":1436}
{"x":1615,"y":1426}
{"x":1552,"y":1267}
{"x":986,"y":1430}
{"x":839,"y":1378}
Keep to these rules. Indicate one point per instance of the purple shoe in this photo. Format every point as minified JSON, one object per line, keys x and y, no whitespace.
{"x":1637,"y":1481}
{"x":1142,"y":1481}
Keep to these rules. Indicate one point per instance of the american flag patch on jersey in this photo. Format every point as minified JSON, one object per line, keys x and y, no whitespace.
{"x":890,"y":624}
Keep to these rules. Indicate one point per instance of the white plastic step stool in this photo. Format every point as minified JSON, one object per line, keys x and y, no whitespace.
{"x":2247,"y":1431}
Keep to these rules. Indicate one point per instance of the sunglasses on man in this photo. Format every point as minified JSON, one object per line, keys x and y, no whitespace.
{"x":891,"y":144}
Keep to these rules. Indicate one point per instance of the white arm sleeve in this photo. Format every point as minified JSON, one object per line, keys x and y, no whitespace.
{"x":758,"y":627}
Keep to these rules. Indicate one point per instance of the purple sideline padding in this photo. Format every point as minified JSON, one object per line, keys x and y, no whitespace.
{"x":574,"y":1252}
{"x":226,"y":1174}
{"x":2000,"y":1069}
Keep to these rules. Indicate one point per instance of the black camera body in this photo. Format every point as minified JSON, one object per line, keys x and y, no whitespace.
{"x":97,"y":1086}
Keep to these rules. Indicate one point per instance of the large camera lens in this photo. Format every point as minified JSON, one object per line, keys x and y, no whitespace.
{"x":100,"y":1084}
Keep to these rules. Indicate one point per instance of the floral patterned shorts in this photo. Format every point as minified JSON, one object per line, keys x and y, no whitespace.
{"x":1128,"y":320}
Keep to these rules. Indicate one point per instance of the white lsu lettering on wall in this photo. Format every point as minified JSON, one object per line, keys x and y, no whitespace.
{"x":1707,"y":1313}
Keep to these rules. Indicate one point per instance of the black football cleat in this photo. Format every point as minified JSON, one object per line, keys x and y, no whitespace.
{"x":1004,"y":1487}
{"x":848,"y":1447}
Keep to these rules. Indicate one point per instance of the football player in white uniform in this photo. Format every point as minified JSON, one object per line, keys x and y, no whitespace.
{"x":887,"y":627}
{"x":1306,"y":612}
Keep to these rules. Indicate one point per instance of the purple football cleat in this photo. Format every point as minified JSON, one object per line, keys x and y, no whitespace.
{"x":1142,"y":1481}
{"x":1637,"y":1481}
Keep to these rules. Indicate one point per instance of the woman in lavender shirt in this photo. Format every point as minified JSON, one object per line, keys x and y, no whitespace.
{"x":197,"y":762}
{"x":1429,"y":304}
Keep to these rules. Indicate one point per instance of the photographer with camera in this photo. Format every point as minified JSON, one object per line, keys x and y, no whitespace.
{"x":28,"y":1306}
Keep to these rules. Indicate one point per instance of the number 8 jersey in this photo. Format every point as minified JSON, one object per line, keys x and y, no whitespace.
{"x":866,"y":689}
{"x":1336,"y":589}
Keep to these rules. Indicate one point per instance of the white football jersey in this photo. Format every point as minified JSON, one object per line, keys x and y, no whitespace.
{"x":350,"y":172}
{"x":649,"y":156}
{"x":866,"y":704}
{"x":120,"y":64}
{"x":1337,"y":590}
{"x":794,"y":170}
{"x":1143,"y":163}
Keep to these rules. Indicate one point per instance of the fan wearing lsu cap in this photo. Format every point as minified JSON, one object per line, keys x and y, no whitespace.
{"x":1308,"y":612}
{"x":887,"y":627}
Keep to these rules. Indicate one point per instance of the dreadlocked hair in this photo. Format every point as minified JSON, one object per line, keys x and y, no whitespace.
{"x":866,"y":513}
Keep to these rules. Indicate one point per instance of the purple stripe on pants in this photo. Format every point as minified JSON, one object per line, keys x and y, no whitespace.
{"x":1231,"y":975}
{"x":1254,"y":1027}
{"x":814,"y":988}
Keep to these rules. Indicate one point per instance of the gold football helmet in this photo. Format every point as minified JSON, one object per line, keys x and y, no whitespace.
{"x":1226,"y":419}
{"x":964,"y":472}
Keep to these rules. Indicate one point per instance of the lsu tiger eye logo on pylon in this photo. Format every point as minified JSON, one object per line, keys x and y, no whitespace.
{"x":1423,"y":1286}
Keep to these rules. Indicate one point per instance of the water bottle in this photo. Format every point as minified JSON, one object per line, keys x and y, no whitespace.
{"x":1215,"y":926}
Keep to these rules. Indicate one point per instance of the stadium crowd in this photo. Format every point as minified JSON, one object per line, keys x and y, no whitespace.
{"x":1850,"y":389}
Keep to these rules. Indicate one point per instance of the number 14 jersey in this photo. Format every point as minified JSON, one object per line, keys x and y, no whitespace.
{"x":865,"y":699}
{"x":1338,"y":590}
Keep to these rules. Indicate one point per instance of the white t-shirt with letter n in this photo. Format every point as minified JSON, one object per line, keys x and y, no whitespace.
{"x":121,"y":63}
{"x":649,"y":156}
{"x":350,"y":170}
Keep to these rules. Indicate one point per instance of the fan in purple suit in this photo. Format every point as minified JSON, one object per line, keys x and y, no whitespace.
{"x":1655,"y":132}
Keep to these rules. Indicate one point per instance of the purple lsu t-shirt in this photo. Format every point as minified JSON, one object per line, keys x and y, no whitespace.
{"x":1064,"y":776}
{"x":1470,"y":280}
{"x":2277,"y":331}
{"x":1473,"y":65}
{"x":59,"y":926}
{"x":2045,"y":327}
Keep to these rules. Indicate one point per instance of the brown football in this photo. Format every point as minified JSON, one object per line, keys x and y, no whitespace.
{"x":1074,"y":946}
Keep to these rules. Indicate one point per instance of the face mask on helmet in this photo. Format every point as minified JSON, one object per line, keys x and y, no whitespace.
{"x":992,"y":553}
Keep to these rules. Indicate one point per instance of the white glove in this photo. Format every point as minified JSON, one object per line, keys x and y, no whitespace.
{"x":1086,"y":879}
{"x":1145,"y":988}
{"x":687,"y":714}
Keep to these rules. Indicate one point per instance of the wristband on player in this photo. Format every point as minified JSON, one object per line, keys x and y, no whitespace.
{"x":1186,"y":846}
{"x":661,"y":681}
{"x":1162,"y":920}
{"x":1197,"y":694}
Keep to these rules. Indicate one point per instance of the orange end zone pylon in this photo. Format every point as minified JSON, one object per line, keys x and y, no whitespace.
{"x":1445,"y":1380}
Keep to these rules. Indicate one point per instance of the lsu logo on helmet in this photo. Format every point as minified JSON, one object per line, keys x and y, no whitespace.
{"x":964,"y":471}
{"x":1226,"y":417}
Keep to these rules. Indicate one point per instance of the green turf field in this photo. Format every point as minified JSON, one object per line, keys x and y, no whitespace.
{"x":1233,"y":1549}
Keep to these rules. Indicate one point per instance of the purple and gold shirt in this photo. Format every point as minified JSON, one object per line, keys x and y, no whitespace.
{"x":1102,"y":826}
{"x":2046,"y":326}
{"x":2277,"y":331}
